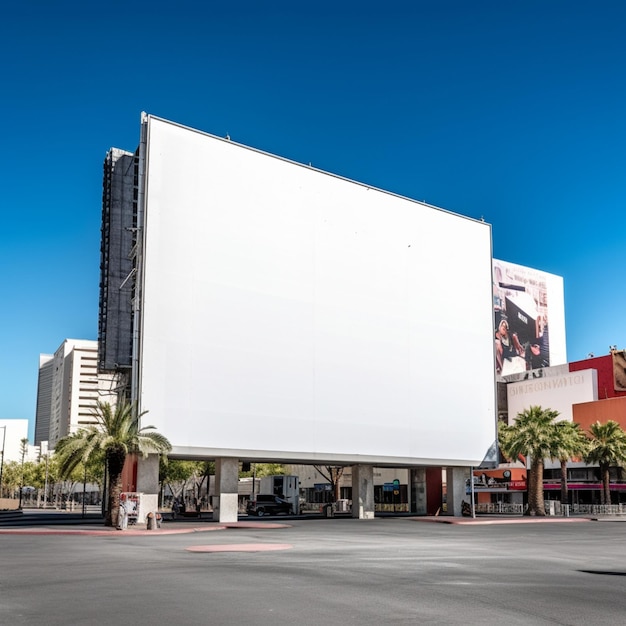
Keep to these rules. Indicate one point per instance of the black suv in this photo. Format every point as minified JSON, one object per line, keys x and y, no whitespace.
{"x":268,"y":505}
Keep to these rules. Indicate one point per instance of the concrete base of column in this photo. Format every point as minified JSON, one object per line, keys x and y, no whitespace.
{"x":228,"y":507}
{"x":226,"y":503}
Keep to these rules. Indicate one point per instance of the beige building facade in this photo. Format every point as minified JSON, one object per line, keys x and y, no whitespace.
{"x":71,"y":390}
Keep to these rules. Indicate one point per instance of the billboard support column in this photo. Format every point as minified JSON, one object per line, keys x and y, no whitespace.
{"x":226,"y":504}
{"x":363,"y":491}
{"x":417,"y":479}
{"x":455,"y":481}
{"x":148,"y":474}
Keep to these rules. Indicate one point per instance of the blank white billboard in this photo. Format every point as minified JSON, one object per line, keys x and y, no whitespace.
{"x":291,"y":314}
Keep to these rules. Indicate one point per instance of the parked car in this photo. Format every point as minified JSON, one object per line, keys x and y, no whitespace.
{"x":268,"y":504}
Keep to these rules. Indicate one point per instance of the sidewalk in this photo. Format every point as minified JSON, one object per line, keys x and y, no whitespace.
{"x":63,"y":523}
{"x":501,"y":519}
{"x":66,"y":524}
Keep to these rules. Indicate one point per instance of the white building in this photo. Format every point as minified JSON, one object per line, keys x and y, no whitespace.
{"x":69,"y":387}
{"x":11,"y":434}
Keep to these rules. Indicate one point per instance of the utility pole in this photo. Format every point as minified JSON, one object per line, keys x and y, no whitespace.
{"x":45,"y":489}
{"x":4,"y":435}
{"x":84,"y":489}
{"x":24,"y":443}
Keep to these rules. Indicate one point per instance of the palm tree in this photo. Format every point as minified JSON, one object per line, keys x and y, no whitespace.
{"x":607,"y":447}
{"x":533,"y":435}
{"x":570,"y":442}
{"x":116,"y":434}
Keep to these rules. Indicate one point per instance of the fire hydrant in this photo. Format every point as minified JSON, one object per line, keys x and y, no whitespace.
{"x":153,"y":521}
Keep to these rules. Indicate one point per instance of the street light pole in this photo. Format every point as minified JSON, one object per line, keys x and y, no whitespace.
{"x":24,"y":443}
{"x":45,"y":489}
{"x":473,"y":492}
{"x":4,"y":435}
{"x":84,"y":488}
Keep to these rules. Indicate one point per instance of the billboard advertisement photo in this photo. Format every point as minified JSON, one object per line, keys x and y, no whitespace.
{"x":529,"y":319}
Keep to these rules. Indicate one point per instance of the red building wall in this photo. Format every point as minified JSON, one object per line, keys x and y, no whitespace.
{"x":611,"y":404}
{"x":606,"y":375}
{"x":129,"y":474}
{"x":434,"y":490}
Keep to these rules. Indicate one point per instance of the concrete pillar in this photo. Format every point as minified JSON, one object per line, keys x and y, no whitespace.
{"x":455,"y":481}
{"x":148,"y":474}
{"x":226,"y":502}
{"x":417,"y":483}
{"x":147,"y":485}
{"x":363,"y":491}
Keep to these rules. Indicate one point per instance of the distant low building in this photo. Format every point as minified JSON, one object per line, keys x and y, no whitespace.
{"x":11,"y":434}
{"x":587,"y":391}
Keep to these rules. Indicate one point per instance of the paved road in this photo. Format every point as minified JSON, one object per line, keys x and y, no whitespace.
{"x":337,"y":571}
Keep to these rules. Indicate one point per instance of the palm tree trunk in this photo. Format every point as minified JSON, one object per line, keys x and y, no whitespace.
{"x":606,"y":484}
{"x":535,"y":497}
{"x":115,"y":465}
{"x":115,"y":491}
{"x":564,"y":493}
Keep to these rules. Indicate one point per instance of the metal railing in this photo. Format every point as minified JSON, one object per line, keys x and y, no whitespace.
{"x":553,"y":508}
{"x":400,"y":507}
{"x":500,"y":508}
{"x":598,"y":509}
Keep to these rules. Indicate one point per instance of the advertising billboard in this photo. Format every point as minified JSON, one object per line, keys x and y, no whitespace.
{"x":619,"y":369}
{"x":529,"y":318}
{"x":289,"y":314}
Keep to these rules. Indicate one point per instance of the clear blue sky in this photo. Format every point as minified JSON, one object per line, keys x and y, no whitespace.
{"x":511,"y":111}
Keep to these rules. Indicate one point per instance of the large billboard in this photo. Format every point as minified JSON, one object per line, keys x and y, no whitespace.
{"x":529,"y":318}
{"x":290,"y":314}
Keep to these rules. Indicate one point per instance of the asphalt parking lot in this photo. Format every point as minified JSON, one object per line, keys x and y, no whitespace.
{"x":325,"y":571}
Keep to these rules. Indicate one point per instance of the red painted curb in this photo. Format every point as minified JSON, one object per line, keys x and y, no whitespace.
{"x":241,"y":547}
{"x":256,"y":525}
{"x":108,"y":532}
